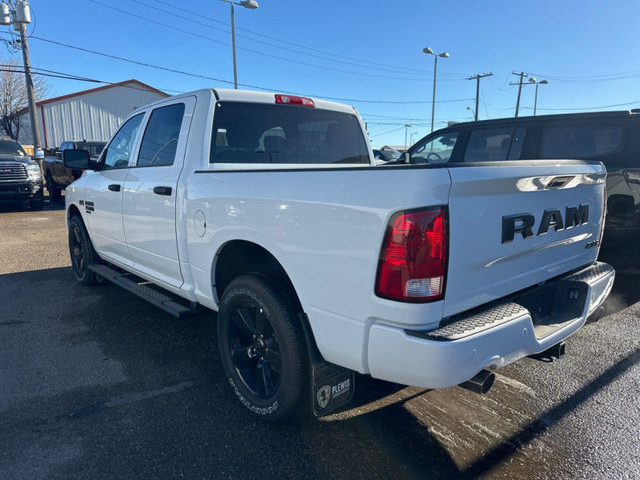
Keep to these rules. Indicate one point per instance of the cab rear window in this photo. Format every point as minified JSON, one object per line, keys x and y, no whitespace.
{"x":285,"y":134}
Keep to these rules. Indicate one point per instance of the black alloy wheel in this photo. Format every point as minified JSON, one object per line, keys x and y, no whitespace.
{"x":262,"y":347}
{"x":254,"y":350}
{"x":54,"y":192}
{"x":81,"y":252}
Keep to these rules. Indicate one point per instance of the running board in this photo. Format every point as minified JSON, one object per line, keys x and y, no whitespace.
{"x":152,"y":296}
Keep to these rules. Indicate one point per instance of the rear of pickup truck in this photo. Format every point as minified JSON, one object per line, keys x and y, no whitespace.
{"x":521,"y":273}
{"x":420,"y":274}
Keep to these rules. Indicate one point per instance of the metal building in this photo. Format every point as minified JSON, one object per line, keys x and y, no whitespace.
{"x":88,"y":115}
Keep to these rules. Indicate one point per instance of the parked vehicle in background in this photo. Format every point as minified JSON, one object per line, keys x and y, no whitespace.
{"x":20,"y":177}
{"x":385,"y":155}
{"x":56,"y":175}
{"x":267,"y":208}
{"x":612,"y":138}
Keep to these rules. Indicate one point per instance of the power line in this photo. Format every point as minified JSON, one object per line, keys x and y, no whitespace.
{"x":591,"y":78}
{"x":297,"y":62}
{"x":376,"y":64}
{"x":206,"y":77}
{"x":385,"y":133}
{"x":294,"y":50}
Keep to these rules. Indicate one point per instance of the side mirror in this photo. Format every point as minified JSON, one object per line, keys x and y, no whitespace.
{"x":77,"y":160}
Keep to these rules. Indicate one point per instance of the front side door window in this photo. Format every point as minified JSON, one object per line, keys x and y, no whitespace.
{"x":436,"y":150}
{"x":117,"y":154}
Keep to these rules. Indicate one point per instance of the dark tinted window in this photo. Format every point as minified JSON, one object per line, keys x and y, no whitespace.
{"x":489,"y":145}
{"x":581,"y":141}
{"x":11,"y":147}
{"x":517,"y":141}
{"x":160,"y":139}
{"x":119,"y":150}
{"x":263,"y":133}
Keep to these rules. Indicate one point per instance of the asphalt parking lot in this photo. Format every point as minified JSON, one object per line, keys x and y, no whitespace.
{"x":95,"y":383}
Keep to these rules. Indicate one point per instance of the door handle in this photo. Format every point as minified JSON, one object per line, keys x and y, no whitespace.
{"x":161,"y":190}
{"x":114,"y":187}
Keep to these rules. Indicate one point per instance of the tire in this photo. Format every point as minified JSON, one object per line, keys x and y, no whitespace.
{"x":82,"y":252}
{"x":262,"y":347}
{"x":54,"y":192}
{"x":36,"y":204}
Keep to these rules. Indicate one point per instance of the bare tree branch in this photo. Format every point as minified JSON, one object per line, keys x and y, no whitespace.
{"x":13,"y":96}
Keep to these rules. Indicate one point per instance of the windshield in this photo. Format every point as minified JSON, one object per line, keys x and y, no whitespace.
{"x":264,"y":133}
{"x":94,"y":148}
{"x":11,"y":147}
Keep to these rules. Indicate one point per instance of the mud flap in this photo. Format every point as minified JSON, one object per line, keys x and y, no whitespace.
{"x":332,"y":386}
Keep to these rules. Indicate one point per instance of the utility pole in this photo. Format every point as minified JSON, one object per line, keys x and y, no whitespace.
{"x":521,"y":75}
{"x":477,"y":79}
{"x":20,"y":16}
{"x":406,"y":129}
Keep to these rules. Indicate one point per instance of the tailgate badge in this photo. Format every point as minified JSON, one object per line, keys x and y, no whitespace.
{"x":523,"y":223}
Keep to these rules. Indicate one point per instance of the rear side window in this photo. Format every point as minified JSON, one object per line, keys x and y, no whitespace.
{"x":160,"y":139}
{"x":491,"y":145}
{"x":264,"y":133}
{"x":581,"y":141}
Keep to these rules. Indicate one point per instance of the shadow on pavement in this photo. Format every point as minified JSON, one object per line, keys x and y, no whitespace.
{"x":172,"y":413}
{"x":23,"y":206}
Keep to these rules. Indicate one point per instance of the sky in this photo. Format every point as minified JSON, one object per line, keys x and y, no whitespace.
{"x":364,"y":53}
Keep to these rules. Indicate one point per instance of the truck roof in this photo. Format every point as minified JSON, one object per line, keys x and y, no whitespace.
{"x":231,"y":95}
{"x":609,"y":115}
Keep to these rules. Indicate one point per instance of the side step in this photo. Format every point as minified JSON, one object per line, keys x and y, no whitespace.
{"x":152,"y":296}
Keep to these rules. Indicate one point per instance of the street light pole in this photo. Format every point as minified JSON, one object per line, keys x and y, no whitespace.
{"x":429,"y":51}
{"x":535,"y":102}
{"x":250,"y":4}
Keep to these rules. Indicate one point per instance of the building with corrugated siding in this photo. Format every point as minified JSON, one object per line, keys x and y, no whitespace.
{"x":88,"y":115}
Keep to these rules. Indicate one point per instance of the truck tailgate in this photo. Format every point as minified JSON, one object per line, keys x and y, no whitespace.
{"x":505,"y":217}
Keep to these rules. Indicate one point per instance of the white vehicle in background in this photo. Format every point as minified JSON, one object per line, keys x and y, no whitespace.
{"x":267,"y":209}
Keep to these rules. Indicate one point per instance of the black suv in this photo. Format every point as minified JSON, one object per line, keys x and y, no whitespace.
{"x":20,"y":177}
{"x":612,"y":138}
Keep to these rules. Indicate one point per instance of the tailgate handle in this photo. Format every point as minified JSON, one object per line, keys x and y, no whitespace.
{"x":559,"y":182}
{"x":161,"y":190}
{"x":114,"y":187}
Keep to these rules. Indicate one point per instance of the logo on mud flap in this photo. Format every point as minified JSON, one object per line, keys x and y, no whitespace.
{"x":323,"y":396}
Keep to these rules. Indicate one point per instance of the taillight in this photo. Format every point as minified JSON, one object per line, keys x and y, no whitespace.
{"x":413,"y":259}
{"x":294,"y":100}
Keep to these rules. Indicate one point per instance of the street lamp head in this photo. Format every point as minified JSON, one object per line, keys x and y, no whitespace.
{"x":250,"y":4}
{"x":544,"y":82}
{"x":443,"y":55}
{"x":428,"y":51}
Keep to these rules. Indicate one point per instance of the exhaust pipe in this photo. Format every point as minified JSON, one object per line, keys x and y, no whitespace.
{"x":481,"y":383}
{"x":556,"y":351}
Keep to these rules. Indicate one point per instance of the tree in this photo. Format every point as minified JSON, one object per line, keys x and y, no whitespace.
{"x":13,"y":95}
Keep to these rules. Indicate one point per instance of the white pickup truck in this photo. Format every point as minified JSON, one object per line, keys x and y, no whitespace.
{"x":268,"y":209}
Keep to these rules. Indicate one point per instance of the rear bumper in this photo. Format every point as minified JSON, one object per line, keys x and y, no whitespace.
{"x":490,"y":337}
{"x":15,"y":191}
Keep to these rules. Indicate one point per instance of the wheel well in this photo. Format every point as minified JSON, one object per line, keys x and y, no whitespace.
{"x":73,"y":210}
{"x":240,"y":257}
